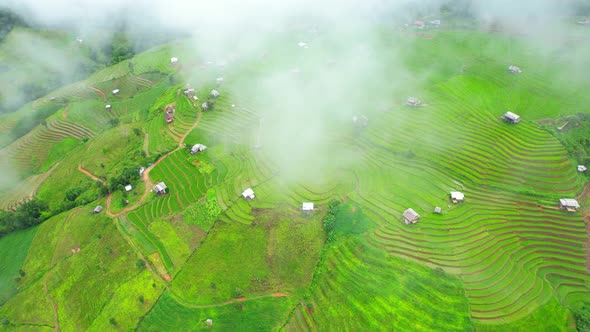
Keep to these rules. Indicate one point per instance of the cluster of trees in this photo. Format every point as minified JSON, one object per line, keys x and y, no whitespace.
{"x":36,"y":211}
{"x":27,"y":215}
{"x":120,"y":48}
{"x":8,"y":20}
{"x":576,"y":139}
{"x":204,"y":213}
{"x":329,"y":221}
{"x":129,"y":175}
{"x":583,"y":318}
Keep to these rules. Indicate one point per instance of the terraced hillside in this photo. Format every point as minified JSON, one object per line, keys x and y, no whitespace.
{"x":500,"y":260}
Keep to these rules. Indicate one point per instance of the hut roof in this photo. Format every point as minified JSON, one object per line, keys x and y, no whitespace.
{"x":569,"y":202}
{"x":413,"y":101}
{"x":160,"y":187}
{"x":457,"y":195}
{"x":97,"y":209}
{"x":437,"y":210}
{"x":214,"y":93}
{"x":511,"y":116}
{"x":128,"y":187}
{"x":307,"y":206}
{"x":515,"y":69}
{"x":410,"y":216}
{"x":198,"y":148}
{"x":248,"y":193}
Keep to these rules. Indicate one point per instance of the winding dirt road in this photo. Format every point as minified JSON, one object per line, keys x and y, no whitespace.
{"x":145,"y":176}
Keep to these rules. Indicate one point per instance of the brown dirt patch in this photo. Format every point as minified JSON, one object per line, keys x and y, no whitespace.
{"x":167,"y":277}
{"x":279,"y":294}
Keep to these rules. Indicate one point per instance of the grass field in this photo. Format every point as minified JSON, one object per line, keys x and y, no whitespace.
{"x":14,"y":248}
{"x":263,"y":314}
{"x":506,"y":259}
{"x":361,"y":288}
{"x":274,"y":254}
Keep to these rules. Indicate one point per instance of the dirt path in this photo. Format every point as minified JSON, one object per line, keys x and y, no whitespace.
{"x":146,"y":175}
{"x":100,"y":92}
{"x":236,"y":300}
{"x":48,"y":275}
{"x":141,"y":256}
{"x":585,"y":194}
{"x":146,"y":145}
{"x":92,"y":176}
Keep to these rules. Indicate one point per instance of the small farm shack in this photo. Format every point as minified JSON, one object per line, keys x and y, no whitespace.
{"x":108,"y":107}
{"x":410,"y":216}
{"x":128,"y":188}
{"x":437,"y":210}
{"x":511,"y":117}
{"x":190,"y":92}
{"x":582,"y":168}
{"x":116,"y":92}
{"x":457,"y":197}
{"x":306,"y":206}
{"x":97,"y":209}
{"x":173,"y":60}
{"x":569,"y":204}
{"x":214,"y":93}
{"x":514,"y":70}
{"x":169,"y":117}
{"x":198,"y":148}
{"x":160,"y":188}
{"x":413,"y":101}
{"x":248,"y":194}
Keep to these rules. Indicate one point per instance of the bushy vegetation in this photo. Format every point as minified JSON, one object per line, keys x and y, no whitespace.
{"x":26,"y":215}
{"x":582,"y":316}
{"x":574,"y":136}
{"x":203,"y":213}
{"x":8,"y":20}
{"x":128,"y":175}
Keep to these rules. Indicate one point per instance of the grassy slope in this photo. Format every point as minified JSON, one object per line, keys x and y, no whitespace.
{"x":360,"y":288}
{"x":276,"y":254}
{"x":264,"y":314}
{"x":512,"y":272}
{"x":14,"y":248}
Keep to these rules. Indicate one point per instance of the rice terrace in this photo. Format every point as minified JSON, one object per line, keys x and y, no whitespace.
{"x":388,"y":167}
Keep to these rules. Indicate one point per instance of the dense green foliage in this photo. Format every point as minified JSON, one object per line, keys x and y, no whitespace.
{"x":8,"y":20}
{"x":121,"y":48}
{"x":203,"y":213}
{"x":26,"y":215}
{"x":582,"y":316}
{"x":574,"y":136}
{"x":128,"y":175}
